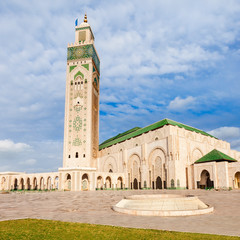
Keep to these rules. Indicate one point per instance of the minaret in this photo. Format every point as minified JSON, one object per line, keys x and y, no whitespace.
{"x":81,"y":121}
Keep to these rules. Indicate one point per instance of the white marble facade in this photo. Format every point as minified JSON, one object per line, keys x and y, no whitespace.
{"x":160,"y":158}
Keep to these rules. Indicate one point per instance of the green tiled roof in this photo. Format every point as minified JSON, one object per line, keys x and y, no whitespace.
{"x":215,"y":155}
{"x":121,"y":135}
{"x":134,"y":132}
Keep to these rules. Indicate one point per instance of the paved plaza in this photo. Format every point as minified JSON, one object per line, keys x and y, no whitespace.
{"x":95,"y":207}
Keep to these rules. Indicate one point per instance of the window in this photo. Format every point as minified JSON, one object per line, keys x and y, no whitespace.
{"x":84,"y":155}
{"x":76,"y":154}
{"x":69,"y":156}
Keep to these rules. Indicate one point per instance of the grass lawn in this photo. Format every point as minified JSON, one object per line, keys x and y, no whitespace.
{"x":47,"y":229}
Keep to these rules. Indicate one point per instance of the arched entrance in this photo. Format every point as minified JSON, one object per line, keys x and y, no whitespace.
{"x":158,"y":183}
{"x":205,"y":181}
{"x":15,"y":187}
{"x":34,"y":184}
{"x":68,"y":182}
{"x":85,"y":185}
{"x":56,"y":182}
{"x":3,"y":183}
{"x":21,"y":187}
{"x":28,"y":185}
{"x":100,"y":182}
{"x":41,"y":184}
{"x":135,"y":184}
{"x":120,"y":183}
{"x":108,"y":182}
{"x":237,"y":180}
{"x":49,"y":183}
{"x":134,"y":171}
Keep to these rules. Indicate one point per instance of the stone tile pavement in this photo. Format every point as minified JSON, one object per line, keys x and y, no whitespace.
{"x":95,"y":207}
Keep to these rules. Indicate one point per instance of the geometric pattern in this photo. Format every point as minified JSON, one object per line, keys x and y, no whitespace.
{"x":77,"y":108}
{"x":85,"y":51}
{"x":77,"y":123}
{"x":77,"y":142}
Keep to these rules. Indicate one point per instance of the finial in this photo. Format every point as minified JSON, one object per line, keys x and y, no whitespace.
{"x":85,"y":18}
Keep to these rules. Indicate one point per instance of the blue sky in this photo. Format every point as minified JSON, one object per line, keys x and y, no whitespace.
{"x":159,"y":59}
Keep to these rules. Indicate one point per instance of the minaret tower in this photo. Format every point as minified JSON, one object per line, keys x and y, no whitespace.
{"x":81,"y":121}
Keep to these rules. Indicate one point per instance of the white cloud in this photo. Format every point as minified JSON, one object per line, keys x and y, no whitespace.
{"x":181,"y":104}
{"x":9,"y":146}
{"x":226,"y":133}
{"x":150,"y":53}
{"x":235,"y":144}
{"x":28,"y":162}
{"x":42,"y":156}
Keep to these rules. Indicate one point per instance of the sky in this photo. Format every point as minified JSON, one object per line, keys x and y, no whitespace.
{"x":159,"y":59}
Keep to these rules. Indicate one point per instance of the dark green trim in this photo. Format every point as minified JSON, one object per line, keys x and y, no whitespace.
{"x":215,"y":156}
{"x":77,"y":74}
{"x":86,"y":66}
{"x":82,"y":28}
{"x":121,"y":135}
{"x":84,"y":51}
{"x":72,"y":67}
{"x":151,"y":127}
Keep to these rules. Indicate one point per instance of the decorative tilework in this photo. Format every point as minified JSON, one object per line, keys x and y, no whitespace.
{"x":77,"y":142}
{"x":72,"y":67}
{"x":85,"y":51}
{"x":82,"y":28}
{"x":77,"y":123}
{"x":95,"y":80}
{"x":78,"y":74}
{"x":77,"y":108}
{"x":86,"y":66}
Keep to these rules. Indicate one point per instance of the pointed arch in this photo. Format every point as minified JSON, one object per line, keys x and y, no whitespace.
{"x":79,"y":74}
{"x":134,"y":171}
{"x":196,"y":154}
{"x":158,"y":151}
{"x":85,"y":182}
{"x":110,"y":164}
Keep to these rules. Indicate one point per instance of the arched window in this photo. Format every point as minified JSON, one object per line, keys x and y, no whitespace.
{"x":76,"y":154}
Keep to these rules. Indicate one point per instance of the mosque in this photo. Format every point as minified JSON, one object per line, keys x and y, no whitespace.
{"x":165,"y":154}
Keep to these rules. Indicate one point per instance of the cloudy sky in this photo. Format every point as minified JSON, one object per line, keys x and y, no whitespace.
{"x":159,"y":59}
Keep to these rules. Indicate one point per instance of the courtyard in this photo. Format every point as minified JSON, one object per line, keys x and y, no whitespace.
{"x":95,"y":207}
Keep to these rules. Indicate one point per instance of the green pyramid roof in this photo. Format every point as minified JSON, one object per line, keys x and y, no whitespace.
{"x":215,"y":155}
{"x":134,"y":132}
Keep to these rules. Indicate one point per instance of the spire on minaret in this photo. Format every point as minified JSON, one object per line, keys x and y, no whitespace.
{"x":85,"y":18}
